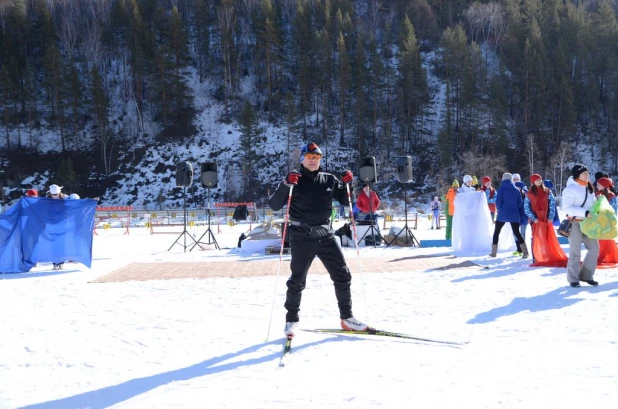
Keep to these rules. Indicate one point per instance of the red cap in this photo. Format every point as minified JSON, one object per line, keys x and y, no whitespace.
{"x":605,"y":182}
{"x":485,"y":179}
{"x":32,"y":193}
{"x":535,"y":177}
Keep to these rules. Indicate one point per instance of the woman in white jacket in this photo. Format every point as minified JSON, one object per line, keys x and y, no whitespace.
{"x":577,"y":199}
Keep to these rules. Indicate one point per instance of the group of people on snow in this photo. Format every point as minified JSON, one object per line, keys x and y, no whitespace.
{"x":519,"y":205}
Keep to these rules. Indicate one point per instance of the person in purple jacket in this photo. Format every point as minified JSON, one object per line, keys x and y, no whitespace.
{"x":509,"y":204}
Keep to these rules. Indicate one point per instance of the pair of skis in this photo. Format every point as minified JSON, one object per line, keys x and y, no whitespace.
{"x":287,"y":349}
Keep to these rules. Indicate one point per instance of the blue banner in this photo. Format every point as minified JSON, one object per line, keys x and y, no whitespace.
{"x":36,"y":230}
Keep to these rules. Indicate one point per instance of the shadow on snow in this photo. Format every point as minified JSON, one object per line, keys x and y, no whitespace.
{"x":112,"y":395}
{"x":553,"y":300}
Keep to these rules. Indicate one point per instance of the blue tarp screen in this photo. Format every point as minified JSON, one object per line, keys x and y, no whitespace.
{"x":37,"y":230}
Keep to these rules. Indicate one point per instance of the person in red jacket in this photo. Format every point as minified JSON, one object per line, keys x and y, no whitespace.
{"x":608,"y":251}
{"x":490,"y":194}
{"x":368,"y":202}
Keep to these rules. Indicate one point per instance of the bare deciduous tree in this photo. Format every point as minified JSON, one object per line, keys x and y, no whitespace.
{"x":477,"y":164}
{"x":558,"y":165}
{"x":68,"y":16}
{"x":486,"y":21}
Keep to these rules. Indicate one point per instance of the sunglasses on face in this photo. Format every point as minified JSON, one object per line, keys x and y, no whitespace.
{"x":313,"y":156}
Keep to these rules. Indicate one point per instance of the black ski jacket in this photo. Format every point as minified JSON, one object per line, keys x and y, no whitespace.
{"x":312,"y":198}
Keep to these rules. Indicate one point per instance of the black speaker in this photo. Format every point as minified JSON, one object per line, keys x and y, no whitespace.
{"x":404,"y":169}
{"x":184,"y":174}
{"x":209,"y":174}
{"x":367,"y":171}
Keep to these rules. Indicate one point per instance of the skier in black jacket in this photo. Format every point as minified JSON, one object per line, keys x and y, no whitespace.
{"x":311,"y":234}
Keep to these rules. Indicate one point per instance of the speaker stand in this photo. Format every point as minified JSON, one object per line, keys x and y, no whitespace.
{"x":210,"y":235}
{"x":406,"y":229}
{"x":375,"y":231}
{"x":184,"y":233}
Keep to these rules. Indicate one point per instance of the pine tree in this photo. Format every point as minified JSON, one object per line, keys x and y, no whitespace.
{"x":413,"y":89}
{"x":360,"y":79}
{"x":5,"y":93}
{"x":455,"y":59}
{"x":534,"y":80}
{"x":269,"y":44}
{"x":54,"y":81}
{"x":303,"y":62}
{"x":136,"y":34}
{"x":226,"y":18}
{"x":76,"y":96}
{"x":376,"y":85}
{"x":66,"y":175}
{"x":324,"y":81}
{"x":202,"y":35}
{"x":249,"y":140}
{"x":344,"y":84}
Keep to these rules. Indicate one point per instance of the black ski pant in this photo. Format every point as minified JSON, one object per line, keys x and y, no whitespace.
{"x":304,"y":249}
{"x":519,"y":239}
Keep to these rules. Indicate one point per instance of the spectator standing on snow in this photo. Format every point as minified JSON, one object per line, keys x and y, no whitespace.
{"x":608,"y":251}
{"x":539,"y":206}
{"x":490,"y":193}
{"x":523,"y":220}
{"x":597,"y":176}
{"x":55,"y":192}
{"x":368,"y":202}
{"x":509,"y":204}
{"x":311,"y":234}
{"x":435,"y":207}
{"x":550,"y":185}
{"x":577,"y":199}
{"x":450,"y":208}
{"x":467,"y":185}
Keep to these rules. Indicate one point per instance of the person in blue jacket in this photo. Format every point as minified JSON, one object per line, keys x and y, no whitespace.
{"x":509,"y":205}
{"x":550,"y":185}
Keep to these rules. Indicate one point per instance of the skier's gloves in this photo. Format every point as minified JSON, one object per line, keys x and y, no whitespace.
{"x":292,"y":178}
{"x":347,"y":176}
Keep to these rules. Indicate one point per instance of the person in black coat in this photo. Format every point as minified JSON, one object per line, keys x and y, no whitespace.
{"x":311,"y":234}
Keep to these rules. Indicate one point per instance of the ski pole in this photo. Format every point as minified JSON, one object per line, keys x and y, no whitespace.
{"x":285,"y":229}
{"x":353,"y":223}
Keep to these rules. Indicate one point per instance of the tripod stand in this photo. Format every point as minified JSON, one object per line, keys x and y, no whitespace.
{"x":375,"y":231}
{"x":409,"y":235}
{"x":184,"y":233}
{"x":211,"y":237}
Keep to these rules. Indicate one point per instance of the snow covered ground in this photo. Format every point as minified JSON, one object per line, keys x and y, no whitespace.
{"x":534,"y":342}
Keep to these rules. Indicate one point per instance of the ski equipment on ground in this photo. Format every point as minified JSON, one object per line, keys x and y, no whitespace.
{"x":287,"y":349}
{"x":377,"y":332}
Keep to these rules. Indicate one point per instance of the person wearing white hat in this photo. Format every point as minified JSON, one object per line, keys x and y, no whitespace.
{"x":74,"y":196}
{"x":55,"y":192}
{"x":467,"y":185}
